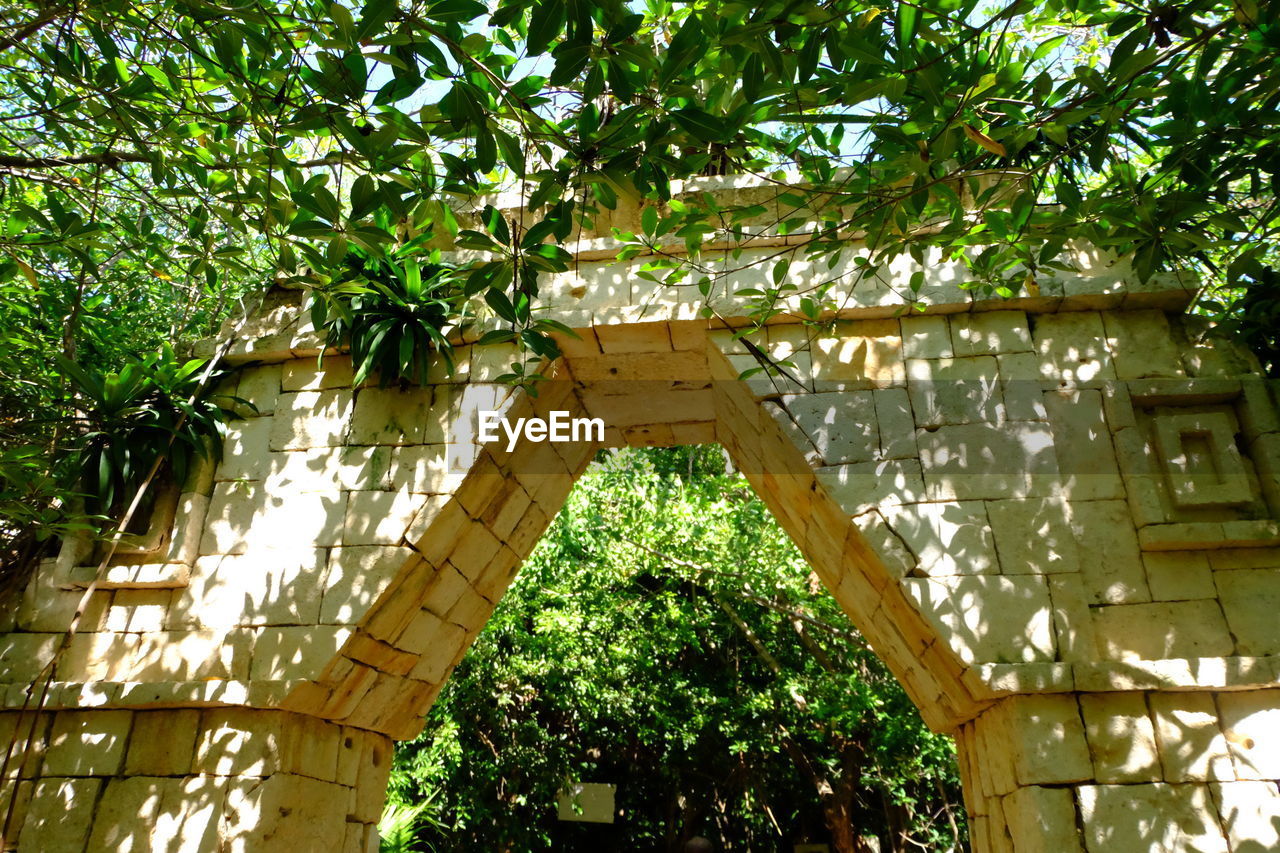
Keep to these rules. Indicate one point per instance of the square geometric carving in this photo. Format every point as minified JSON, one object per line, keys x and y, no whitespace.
{"x":1201,"y":461}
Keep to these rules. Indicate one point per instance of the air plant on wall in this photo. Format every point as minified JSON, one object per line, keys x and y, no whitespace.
{"x":392,"y":313}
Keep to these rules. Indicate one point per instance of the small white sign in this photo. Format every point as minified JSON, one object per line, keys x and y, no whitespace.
{"x":588,"y":802}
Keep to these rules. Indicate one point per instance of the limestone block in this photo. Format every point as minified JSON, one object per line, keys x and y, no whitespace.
{"x":984,"y":461}
{"x":23,"y":656}
{"x":1047,"y":740}
{"x":1042,"y":820}
{"x":1021,"y":386}
{"x":188,"y":526}
{"x":1082,"y":444}
{"x":1192,"y":746}
{"x":245,"y":515}
{"x":425,"y":470}
{"x":309,"y":813}
{"x":1163,"y":629}
{"x":895,"y":423}
{"x":310,"y":747}
{"x":798,"y":437}
{"x":309,"y":374}
{"x":926,"y":336}
{"x":1251,"y":723}
{"x":1251,"y":602}
{"x":87,"y":743}
{"x":1072,"y":347}
{"x":357,"y":577}
{"x":245,"y":451}
{"x":990,"y":332}
{"x":139,"y":610}
{"x":1141,"y":344}
{"x":1122,"y":740}
{"x":841,"y":426}
{"x":424,"y":632}
{"x":1072,"y":620}
{"x":946,"y":538}
{"x":60,"y":814}
{"x":234,"y":742}
{"x":378,"y":518}
{"x":1109,"y":555}
{"x":634,"y":337}
{"x":307,"y":419}
{"x":327,"y":469}
{"x":1245,"y":558}
{"x":954,"y":390}
{"x":392,"y":416}
{"x":260,"y":387}
{"x":1151,"y":818}
{"x":266,"y":586}
{"x":162,"y":743}
{"x":1033,"y":535}
{"x":988,"y":618}
{"x":1181,"y":576}
{"x":448,"y":584}
{"x":885,"y":543}
{"x":233,"y":509}
{"x":860,"y":354}
{"x":132,"y":814}
{"x":868,"y":485}
{"x":282,"y":654}
{"x":1250,"y":814}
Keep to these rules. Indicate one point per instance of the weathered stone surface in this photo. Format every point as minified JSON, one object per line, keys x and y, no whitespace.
{"x":1251,"y":724}
{"x":1251,"y":602}
{"x":1042,"y":820}
{"x":841,"y":426}
{"x":990,"y":332}
{"x":946,"y":538}
{"x":1047,"y":740}
{"x":1180,"y":576}
{"x":1141,"y":344}
{"x":60,"y":814}
{"x":311,"y":419}
{"x":1014,"y":623}
{"x":87,"y":743}
{"x":1250,"y":814}
{"x":1153,"y":818}
{"x":1165,"y":629}
{"x":1122,"y":741}
{"x":926,"y":337}
{"x":1073,"y":347}
{"x":1192,"y":746}
{"x":954,"y":390}
{"x":861,"y":354}
{"x":1033,"y":536}
{"x":1109,"y":556}
{"x":981,"y":461}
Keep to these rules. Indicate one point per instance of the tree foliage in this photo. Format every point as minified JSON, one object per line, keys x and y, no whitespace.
{"x":667,"y":637}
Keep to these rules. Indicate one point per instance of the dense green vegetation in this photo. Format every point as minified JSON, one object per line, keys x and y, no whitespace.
{"x":667,"y":637}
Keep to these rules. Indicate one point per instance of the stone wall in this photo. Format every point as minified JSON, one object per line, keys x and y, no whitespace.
{"x":1054,"y":517}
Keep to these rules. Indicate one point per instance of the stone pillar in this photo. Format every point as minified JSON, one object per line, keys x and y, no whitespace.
{"x":196,"y":780}
{"x":1125,"y":772}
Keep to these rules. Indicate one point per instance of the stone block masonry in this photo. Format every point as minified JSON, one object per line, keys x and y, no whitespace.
{"x":1058,"y":525}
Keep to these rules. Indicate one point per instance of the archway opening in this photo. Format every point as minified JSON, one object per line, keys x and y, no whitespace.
{"x":667,"y":655}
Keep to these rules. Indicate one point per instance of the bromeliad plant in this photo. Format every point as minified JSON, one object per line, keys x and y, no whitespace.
{"x":392,"y":313}
{"x":155,"y":407}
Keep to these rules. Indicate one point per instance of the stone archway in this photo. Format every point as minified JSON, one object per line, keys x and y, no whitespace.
{"x":1054,"y":518}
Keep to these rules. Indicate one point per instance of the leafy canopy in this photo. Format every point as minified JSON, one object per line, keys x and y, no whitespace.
{"x":201,"y":141}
